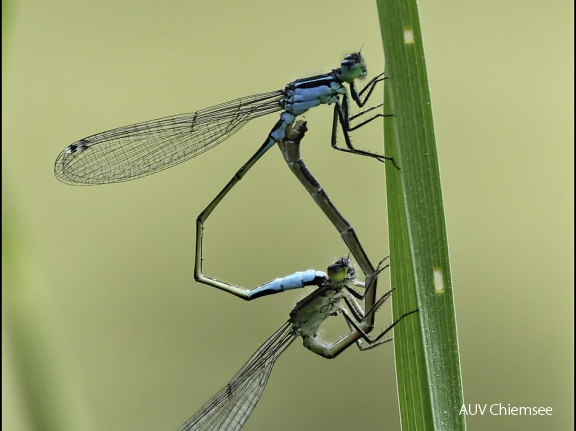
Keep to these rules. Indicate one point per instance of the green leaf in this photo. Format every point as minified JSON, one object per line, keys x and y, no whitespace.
{"x":426,"y":343}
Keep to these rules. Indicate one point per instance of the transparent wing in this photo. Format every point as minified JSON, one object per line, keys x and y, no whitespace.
{"x":231,"y":407}
{"x":142,"y":149}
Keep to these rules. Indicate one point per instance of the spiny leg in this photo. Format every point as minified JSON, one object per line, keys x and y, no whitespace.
{"x":357,"y":96}
{"x":369,"y":285}
{"x":354,"y":323}
{"x":375,"y":342}
{"x":341,"y":117}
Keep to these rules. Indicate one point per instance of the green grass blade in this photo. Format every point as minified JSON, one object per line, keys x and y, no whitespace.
{"x":426,"y":343}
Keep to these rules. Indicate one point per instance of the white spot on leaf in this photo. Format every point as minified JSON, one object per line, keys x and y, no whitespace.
{"x":408,"y":35}
{"x":438,"y":281}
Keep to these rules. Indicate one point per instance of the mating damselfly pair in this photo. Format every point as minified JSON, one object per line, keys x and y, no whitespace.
{"x":141,"y":149}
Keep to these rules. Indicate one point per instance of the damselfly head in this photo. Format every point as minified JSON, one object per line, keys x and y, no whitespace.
{"x":341,"y":270}
{"x":353,"y":67}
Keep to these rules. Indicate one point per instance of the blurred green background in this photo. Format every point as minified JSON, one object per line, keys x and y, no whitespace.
{"x":104,"y":327}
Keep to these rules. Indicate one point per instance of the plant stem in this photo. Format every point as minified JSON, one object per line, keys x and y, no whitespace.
{"x":426,"y":343}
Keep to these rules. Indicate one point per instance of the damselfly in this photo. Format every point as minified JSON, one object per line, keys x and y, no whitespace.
{"x":232,"y":405}
{"x":142,"y":149}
